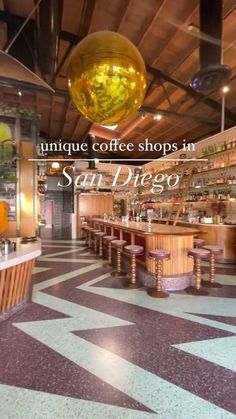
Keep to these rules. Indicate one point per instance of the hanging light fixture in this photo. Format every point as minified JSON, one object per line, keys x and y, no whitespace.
{"x":106,"y":78}
{"x":15,"y":74}
{"x":157,"y":117}
{"x":55,"y":165}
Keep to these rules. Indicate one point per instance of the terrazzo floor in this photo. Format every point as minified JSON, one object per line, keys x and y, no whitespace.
{"x":86,"y":348}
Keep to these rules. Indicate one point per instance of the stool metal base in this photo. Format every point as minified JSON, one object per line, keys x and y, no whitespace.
{"x":115,"y":273}
{"x":209,"y":284}
{"x":132,"y":285}
{"x":157,"y":294}
{"x":195,"y":291}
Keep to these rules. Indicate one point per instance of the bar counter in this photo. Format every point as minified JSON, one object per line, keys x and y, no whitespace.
{"x":15,"y":274}
{"x":219,"y":234}
{"x":177,"y":240}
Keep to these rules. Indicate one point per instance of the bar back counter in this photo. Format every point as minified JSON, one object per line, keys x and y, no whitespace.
{"x":15,"y":276}
{"x":178,"y":270}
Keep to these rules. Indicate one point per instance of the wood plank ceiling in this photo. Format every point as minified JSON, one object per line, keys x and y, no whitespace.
{"x":160,"y":30}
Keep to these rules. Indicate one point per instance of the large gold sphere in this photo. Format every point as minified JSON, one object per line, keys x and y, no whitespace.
{"x":106,"y":78}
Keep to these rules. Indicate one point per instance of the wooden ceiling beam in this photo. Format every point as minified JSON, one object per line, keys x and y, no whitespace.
{"x":74,"y":39}
{"x":76,"y":127}
{"x":151,"y":22}
{"x":84,"y":136}
{"x":62,"y":62}
{"x":162,"y":125}
{"x":50,"y":117}
{"x":124,"y":14}
{"x":209,"y":101}
{"x":67,"y":104}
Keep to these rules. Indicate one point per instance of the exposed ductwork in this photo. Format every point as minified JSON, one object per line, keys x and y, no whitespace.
{"x":212,"y":73}
{"x":48,"y":27}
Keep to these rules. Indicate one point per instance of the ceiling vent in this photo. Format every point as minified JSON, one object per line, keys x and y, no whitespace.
{"x":212,"y":73}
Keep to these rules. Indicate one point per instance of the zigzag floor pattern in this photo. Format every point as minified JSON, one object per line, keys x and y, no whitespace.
{"x":86,"y":348}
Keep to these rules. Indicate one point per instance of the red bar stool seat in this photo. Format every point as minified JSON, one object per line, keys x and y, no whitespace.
{"x":214,"y":251}
{"x":198,"y":255}
{"x":119,"y":246}
{"x":107,"y":240}
{"x":158,"y":255}
{"x":133,"y":250}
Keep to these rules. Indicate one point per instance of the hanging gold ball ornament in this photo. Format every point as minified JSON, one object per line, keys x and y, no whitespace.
{"x":106,"y":78}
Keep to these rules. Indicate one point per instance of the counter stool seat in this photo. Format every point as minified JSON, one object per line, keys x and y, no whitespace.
{"x":158,"y":255}
{"x":119,"y":245}
{"x":214,"y":251}
{"x":198,"y":254}
{"x":108,"y":239}
{"x":88,"y":228}
{"x":94,"y":231}
{"x":100,"y":233}
{"x":133,"y":250}
{"x":198,"y":243}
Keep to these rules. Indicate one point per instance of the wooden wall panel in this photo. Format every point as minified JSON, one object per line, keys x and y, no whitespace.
{"x":89,"y":205}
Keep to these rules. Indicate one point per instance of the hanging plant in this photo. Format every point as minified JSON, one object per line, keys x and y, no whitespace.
{"x":17,"y":111}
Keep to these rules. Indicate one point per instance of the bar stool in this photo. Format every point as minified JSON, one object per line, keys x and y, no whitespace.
{"x":84,"y":233}
{"x":98,"y":236}
{"x":158,"y":255}
{"x":84,"y":229}
{"x":88,"y":230}
{"x":134,"y":251}
{"x":107,"y":241}
{"x":198,"y":243}
{"x":118,"y":245}
{"x":198,"y":255}
{"x":214,"y":250}
{"x":93,"y":237}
